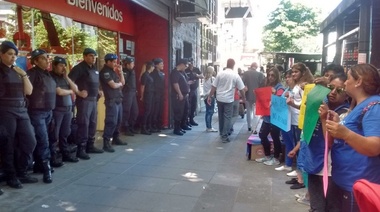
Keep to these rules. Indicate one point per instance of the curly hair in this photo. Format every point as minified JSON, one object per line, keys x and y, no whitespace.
{"x":370,"y":77}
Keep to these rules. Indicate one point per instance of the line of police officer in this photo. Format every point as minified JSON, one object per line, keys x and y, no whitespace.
{"x":37,"y":127}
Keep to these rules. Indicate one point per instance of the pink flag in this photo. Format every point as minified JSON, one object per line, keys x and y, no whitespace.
{"x":326,"y":163}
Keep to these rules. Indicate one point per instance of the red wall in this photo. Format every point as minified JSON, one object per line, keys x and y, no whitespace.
{"x":61,"y":7}
{"x":152,"y":41}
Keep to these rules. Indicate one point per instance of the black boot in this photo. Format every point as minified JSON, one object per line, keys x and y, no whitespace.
{"x":128,"y":131}
{"x":145,"y":131}
{"x":92,"y":149}
{"x":13,"y":182}
{"x":81,"y":153}
{"x":56,"y":156}
{"x":47,"y":178}
{"x":25,"y":178}
{"x":68,"y":157}
{"x":118,"y":141}
{"x":185,"y":127}
{"x":193,"y":123}
{"x":1,"y":191}
{"x":107,"y":145}
{"x":132,"y":129}
{"x":177,"y":129}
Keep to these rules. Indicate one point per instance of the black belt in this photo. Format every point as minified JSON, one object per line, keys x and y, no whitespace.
{"x":62,"y":108}
{"x":12,"y":103}
{"x":114,"y":100}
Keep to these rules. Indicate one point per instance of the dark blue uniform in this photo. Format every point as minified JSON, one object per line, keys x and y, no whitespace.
{"x":86,"y":78}
{"x":40,"y":105}
{"x":193,"y":95}
{"x":158,"y":98}
{"x":18,"y":140}
{"x":148,"y":82}
{"x":180,"y":107}
{"x":62,"y":116}
{"x":113,"y":102}
{"x":130,"y":106}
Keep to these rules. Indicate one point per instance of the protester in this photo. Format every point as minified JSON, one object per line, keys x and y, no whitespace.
{"x":287,"y":137}
{"x":273,"y":80}
{"x":301,"y":76}
{"x":356,"y":139}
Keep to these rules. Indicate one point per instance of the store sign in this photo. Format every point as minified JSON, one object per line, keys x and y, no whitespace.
{"x":106,"y":10}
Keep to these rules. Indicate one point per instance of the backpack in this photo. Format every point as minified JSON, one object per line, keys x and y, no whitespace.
{"x":364,"y":111}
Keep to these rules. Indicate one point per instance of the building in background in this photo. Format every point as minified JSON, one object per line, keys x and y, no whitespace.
{"x":356,"y":24}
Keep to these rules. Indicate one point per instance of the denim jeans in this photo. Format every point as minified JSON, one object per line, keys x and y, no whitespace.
{"x":209,"y":112}
{"x":289,"y":146}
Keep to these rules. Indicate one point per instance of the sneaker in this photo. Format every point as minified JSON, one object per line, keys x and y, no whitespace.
{"x":297,"y":196}
{"x":211,"y":130}
{"x":272,"y":162}
{"x":264,"y":159}
{"x":292,"y":174}
{"x":303,"y":200}
{"x":283,"y":168}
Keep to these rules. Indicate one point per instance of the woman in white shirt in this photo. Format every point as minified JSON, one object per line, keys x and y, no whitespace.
{"x":209,"y":79}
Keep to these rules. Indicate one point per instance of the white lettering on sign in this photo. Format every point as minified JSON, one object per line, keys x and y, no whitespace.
{"x":105,"y":10}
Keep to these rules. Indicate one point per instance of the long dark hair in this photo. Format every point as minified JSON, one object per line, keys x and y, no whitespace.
{"x":276,"y":73}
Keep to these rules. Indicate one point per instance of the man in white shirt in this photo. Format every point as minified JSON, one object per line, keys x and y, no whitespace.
{"x":225,"y":83}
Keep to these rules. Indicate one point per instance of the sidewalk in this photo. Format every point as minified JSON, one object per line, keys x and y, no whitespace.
{"x":163,"y":172}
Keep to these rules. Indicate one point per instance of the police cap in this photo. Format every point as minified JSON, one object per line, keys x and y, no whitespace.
{"x":110,"y":57}
{"x":128,"y":60}
{"x":157,"y":61}
{"x":89,"y":51}
{"x":37,"y":52}
{"x":182,"y":61}
{"x":59,"y":60}
{"x":6,"y":45}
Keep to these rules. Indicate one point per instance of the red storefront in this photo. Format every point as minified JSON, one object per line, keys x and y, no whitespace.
{"x":130,"y":26}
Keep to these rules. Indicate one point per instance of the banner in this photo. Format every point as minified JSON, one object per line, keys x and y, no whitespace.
{"x":263,"y":97}
{"x":314,"y":101}
{"x":301,"y":117}
{"x":279,"y":113}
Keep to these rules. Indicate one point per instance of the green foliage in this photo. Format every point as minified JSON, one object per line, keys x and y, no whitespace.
{"x":288,"y":24}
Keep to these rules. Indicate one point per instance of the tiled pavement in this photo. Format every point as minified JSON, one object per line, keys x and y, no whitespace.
{"x":163,"y":172}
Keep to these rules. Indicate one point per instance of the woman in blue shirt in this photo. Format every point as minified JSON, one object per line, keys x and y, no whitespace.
{"x":356,"y":145}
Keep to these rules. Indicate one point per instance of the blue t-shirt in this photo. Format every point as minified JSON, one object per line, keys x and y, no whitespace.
{"x":314,"y":152}
{"x":348,"y":165}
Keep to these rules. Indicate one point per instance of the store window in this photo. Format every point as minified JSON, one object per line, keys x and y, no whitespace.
{"x":31,"y":28}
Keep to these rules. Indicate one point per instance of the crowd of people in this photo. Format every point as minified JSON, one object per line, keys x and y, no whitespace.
{"x":37,"y":107}
{"x":349,"y":115}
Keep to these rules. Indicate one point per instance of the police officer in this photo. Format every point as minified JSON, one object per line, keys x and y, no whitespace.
{"x":62,"y":114}
{"x":17,"y":134}
{"x":86,"y":76}
{"x":158,"y":98}
{"x":147,"y":94}
{"x":179,"y":96}
{"x":193,"y":74}
{"x":112,"y":84}
{"x":40,"y":106}
{"x":130,"y":106}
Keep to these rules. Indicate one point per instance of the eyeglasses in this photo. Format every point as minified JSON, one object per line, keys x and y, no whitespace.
{"x":338,"y":90}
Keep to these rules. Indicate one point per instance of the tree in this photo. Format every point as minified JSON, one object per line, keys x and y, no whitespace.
{"x":289,"y":25}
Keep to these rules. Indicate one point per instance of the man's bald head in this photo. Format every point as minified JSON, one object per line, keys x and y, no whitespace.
{"x":254,"y":65}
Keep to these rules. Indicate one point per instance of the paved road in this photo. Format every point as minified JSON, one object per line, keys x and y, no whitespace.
{"x":195,"y":172}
